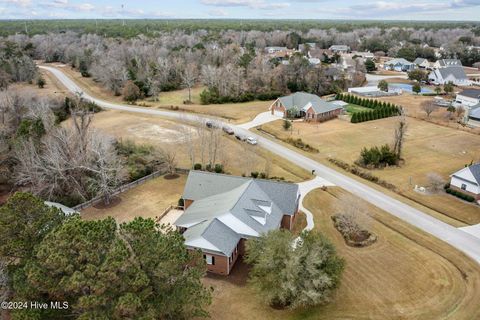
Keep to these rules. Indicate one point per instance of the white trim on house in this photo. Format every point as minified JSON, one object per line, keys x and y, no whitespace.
{"x":465,"y":180}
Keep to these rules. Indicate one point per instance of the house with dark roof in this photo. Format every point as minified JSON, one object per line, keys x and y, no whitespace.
{"x":455,"y":75}
{"x":467,"y":180}
{"x":304,"y":105}
{"x":222,"y":212}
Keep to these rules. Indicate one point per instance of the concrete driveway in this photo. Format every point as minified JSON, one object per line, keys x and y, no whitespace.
{"x":473,"y":230}
{"x":305,"y":188}
{"x":262,"y":118}
{"x":459,"y":239}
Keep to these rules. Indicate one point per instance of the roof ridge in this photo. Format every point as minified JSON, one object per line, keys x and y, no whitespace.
{"x":242,"y":178}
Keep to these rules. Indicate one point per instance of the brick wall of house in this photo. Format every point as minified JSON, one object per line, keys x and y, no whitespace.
{"x":476,"y":196}
{"x":288,"y":221}
{"x":220,"y":265}
{"x":277,"y":106}
{"x":310,"y":115}
{"x":223,"y":265}
{"x":187,"y":203}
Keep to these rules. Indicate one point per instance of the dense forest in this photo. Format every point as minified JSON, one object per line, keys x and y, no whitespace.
{"x":115,"y":28}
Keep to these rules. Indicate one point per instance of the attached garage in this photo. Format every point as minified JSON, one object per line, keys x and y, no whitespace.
{"x":278,"y":113}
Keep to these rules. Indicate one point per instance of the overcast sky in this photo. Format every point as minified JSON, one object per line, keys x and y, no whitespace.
{"x":258,"y":9}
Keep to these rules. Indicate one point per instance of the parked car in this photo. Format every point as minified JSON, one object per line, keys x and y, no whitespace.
{"x":228,"y":130}
{"x":211,"y":124}
{"x":252,"y":140}
{"x":240,"y":137}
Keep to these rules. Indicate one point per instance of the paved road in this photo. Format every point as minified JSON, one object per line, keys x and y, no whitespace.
{"x":459,"y":239}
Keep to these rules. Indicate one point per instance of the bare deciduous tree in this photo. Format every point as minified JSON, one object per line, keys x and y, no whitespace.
{"x":429,"y":107}
{"x":435,"y":181}
{"x":354,"y":213}
{"x":169,"y":158}
{"x":399,"y":135}
{"x":189,"y":76}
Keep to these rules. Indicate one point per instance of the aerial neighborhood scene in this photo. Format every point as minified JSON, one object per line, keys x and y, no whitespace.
{"x":240,"y":159}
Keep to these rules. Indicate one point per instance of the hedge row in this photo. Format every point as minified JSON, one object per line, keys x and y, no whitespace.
{"x":361,"y":173}
{"x":212,"y":96}
{"x":362,"y":116}
{"x":380,"y":109}
{"x":460,"y":195}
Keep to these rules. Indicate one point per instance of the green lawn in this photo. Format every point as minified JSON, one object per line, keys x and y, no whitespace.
{"x":351,"y":108}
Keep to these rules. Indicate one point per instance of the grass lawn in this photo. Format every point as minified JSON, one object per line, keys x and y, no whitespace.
{"x":406,"y":274}
{"x":235,"y":112}
{"x":428,"y":148}
{"x":148,"y":200}
{"x":351,"y":108}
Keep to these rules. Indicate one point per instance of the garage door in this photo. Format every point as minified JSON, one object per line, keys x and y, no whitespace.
{"x":278,"y":113}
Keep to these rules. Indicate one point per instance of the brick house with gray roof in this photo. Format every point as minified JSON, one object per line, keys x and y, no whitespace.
{"x":222,"y":212}
{"x":304,"y":105}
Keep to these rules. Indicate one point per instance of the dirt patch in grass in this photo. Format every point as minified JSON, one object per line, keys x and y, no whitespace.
{"x":163,"y":133}
{"x":428,"y":148}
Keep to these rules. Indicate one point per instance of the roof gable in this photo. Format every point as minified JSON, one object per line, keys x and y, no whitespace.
{"x":303,"y":101}
{"x":471,"y":173}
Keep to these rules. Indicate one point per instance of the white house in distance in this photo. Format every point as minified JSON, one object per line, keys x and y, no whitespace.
{"x":468,"y":98}
{"x":444,"y":63}
{"x":339,"y":48}
{"x":422,"y":63}
{"x":467,"y":180}
{"x":455,"y":75}
{"x":399,"y":64}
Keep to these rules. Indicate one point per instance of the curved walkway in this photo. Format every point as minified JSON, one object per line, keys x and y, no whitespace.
{"x":305,"y":188}
{"x":459,"y":239}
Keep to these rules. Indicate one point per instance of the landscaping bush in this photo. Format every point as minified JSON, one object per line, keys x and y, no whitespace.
{"x":197,"y":166}
{"x":353,"y":233}
{"x":131,"y":92}
{"x":254,"y":174}
{"x":460,"y":195}
{"x":218,"y":168}
{"x":363,"y":174}
{"x":301,"y":145}
{"x":379,"y":110}
{"x":181,"y":203}
{"x":377,"y":157}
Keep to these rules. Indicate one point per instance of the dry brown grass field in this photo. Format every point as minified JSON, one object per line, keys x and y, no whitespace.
{"x":148,"y":200}
{"x":428,"y":148}
{"x":235,"y":112}
{"x":406,"y":274}
{"x":238,"y":157}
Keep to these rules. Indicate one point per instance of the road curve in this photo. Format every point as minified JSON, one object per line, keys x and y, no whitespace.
{"x":459,"y":239}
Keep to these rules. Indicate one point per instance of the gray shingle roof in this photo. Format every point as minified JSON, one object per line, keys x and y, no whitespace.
{"x":221,"y":236}
{"x":227,"y":208}
{"x":475,"y":170}
{"x":457,"y":72}
{"x":420,"y":60}
{"x":395,"y":61}
{"x":302,"y":100}
{"x":475,"y":112}
{"x":472,"y":93}
{"x":450,"y":62}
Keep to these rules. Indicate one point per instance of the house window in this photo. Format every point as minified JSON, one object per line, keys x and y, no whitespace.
{"x":464,"y":186}
{"x":209,"y":259}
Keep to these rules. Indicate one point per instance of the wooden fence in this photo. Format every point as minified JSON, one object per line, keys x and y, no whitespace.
{"x":126,"y":187}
